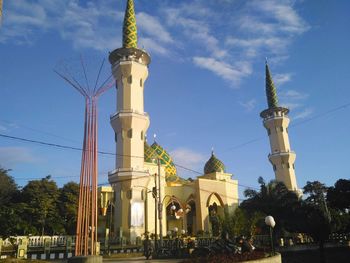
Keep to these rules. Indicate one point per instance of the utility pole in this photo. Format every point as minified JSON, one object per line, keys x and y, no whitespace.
{"x":160,"y":208}
{"x":155,"y":211}
{"x":0,"y":12}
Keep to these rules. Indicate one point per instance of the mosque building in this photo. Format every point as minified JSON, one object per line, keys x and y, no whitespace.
{"x":147,"y":194}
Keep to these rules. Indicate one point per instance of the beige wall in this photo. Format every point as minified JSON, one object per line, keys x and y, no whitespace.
{"x":282,"y":157}
{"x":130,"y":123}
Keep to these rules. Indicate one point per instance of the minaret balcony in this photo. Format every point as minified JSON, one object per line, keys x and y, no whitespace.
{"x":274,"y":112}
{"x":116,"y":114}
{"x":282,"y":157}
{"x":281,"y":153}
{"x":129,"y":54}
{"x":134,"y":172}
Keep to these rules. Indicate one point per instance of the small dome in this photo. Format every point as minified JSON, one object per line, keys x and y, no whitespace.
{"x":214,"y":165}
{"x":155,"y":150}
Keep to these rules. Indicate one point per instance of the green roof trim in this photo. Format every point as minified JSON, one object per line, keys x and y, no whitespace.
{"x":214,"y":165}
{"x":271,"y":92}
{"x":129,"y":26}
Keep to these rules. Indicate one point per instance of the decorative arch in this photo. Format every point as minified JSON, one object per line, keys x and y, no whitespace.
{"x":172,"y":199}
{"x":217,"y":196}
{"x":190,"y":198}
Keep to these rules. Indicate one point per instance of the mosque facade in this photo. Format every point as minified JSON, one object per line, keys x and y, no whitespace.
{"x":147,"y":194}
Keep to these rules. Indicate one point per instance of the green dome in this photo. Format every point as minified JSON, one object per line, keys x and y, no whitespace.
{"x":155,"y":150}
{"x":214,"y":165}
{"x":148,"y":156}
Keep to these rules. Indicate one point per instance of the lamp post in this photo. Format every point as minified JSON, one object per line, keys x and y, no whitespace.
{"x":154,"y":190}
{"x":270,"y":221}
{"x":160,"y":208}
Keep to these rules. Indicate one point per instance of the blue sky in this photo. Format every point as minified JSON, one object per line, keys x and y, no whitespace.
{"x":205,"y":88}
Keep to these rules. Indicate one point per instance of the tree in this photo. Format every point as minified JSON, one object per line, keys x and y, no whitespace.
{"x":68,"y":206}
{"x":273,"y":199}
{"x":8,"y":198}
{"x":317,"y":218}
{"x":8,"y":187}
{"x":241,"y":223}
{"x":40,"y":198}
{"x":339,"y":195}
{"x":338,"y":198}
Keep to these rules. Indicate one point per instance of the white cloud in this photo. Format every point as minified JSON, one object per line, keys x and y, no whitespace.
{"x":249,"y":105}
{"x":188,"y":158}
{"x":293,"y":94}
{"x":223,"y":69}
{"x":151,"y":25}
{"x":7,"y":126}
{"x":195,"y":29}
{"x":252,"y":24}
{"x":257,"y":28}
{"x":11,"y":156}
{"x":303,"y":114}
{"x":153,"y":46}
{"x":293,"y":99}
{"x":85,"y":26}
{"x":280,"y":79}
{"x":282,"y":11}
{"x":291,"y":105}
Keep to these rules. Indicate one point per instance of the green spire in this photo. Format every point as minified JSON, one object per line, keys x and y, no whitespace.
{"x":129,"y":26}
{"x":271,"y":93}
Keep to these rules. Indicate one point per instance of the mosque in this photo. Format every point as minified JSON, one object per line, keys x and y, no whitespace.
{"x":146,"y":193}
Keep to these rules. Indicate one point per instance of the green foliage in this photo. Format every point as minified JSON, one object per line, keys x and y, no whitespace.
{"x":68,"y":206}
{"x":241,"y":222}
{"x":39,"y":208}
{"x":40,"y":197}
{"x":339,"y":195}
{"x":273,"y":199}
{"x":8,"y":187}
{"x":8,"y":212}
{"x":338,"y":198}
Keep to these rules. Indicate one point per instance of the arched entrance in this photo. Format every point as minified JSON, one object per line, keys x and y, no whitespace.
{"x":215,"y":212}
{"x":191,"y":218}
{"x":174,"y":219}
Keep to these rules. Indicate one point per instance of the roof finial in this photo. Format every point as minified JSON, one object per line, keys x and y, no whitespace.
{"x":212,"y":150}
{"x":271,"y":93}
{"x":154,"y":137}
{"x":129,"y":26}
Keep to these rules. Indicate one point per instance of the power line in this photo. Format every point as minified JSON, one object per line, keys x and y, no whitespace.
{"x":80,"y":149}
{"x":322,"y":114}
{"x":53,"y":177}
{"x":16,"y":125}
{"x":52,"y":144}
{"x":177,"y":165}
{"x":293,"y":125}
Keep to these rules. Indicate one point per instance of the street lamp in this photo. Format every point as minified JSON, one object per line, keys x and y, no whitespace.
{"x":270,"y":221}
{"x":175,"y":231}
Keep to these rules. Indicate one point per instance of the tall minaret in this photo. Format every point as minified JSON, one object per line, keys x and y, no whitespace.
{"x":130,"y":123}
{"x":276,"y":122}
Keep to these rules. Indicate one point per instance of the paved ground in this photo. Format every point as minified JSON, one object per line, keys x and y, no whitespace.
{"x":141,"y":260}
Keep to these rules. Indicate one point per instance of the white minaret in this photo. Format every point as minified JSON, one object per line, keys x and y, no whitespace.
{"x":130,"y":123}
{"x":276,"y":122}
